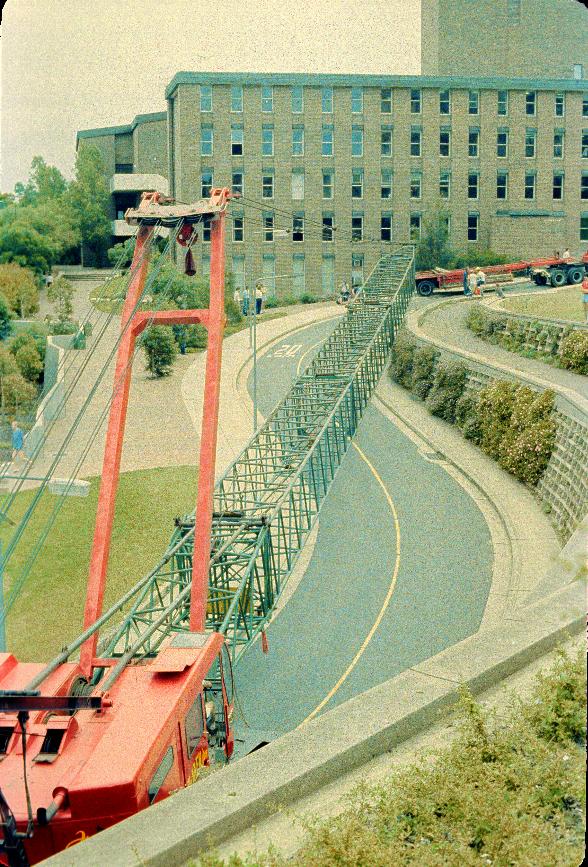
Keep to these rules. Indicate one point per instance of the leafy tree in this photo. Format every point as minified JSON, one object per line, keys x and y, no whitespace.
{"x":19,"y":287}
{"x":35,"y":334}
{"x":61,"y":293}
{"x":160,"y":350}
{"x":8,"y":366}
{"x":122,"y":254}
{"x":46,"y":183}
{"x":29,"y":362}
{"x":50,"y":225}
{"x":88,"y":198}
{"x":5,"y":317}
{"x":25,"y":246}
{"x":433,"y":249}
{"x":16,"y":392}
{"x":7,"y":199}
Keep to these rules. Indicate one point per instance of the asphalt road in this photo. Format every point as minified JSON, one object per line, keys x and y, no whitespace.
{"x":401,"y":569}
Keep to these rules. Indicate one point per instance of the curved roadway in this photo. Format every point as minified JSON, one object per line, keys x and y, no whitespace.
{"x":401,"y":569}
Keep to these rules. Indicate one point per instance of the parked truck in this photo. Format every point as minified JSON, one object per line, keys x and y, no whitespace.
{"x":556,"y":271}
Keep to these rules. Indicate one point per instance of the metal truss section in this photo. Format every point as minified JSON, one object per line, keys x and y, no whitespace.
{"x":268,"y":500}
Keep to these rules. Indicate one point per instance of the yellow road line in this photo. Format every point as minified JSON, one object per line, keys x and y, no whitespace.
{"x":385,"y":604}
{"x":304,"y":354}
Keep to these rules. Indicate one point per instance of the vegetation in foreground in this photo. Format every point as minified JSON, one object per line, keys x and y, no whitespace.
{"x":508,"y":792}
{"x":564,"y":304}
{"x":49,"y":611}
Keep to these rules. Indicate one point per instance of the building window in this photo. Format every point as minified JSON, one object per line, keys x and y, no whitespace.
{"x":560,"y":104}
{"x":530,"y":179}
{"x":558,"y":143}
{"x":357,"y":270}
{"x":558,"y":185}
{"x":530,"y":142}
{"x":502,"y":107}
{"x":356,"y":183}
{"x":237,"y":182}
{"x":236,"y":141}
{"x":444,"y":102}
{"x":206,"y":141}
{"x":328,"y":183}
{"x":584,"y":227}
{"x":298,"y":227}
{"x":297,"y":100}
{"x":327,"y":100}
{"x":267,"y":184}
{"x":123,"y":168}
{"x":386,"y":184}
{"x":444,"y":142}
{"x":205,"y":97}
{"x":415,"y":101}
{"x":386,"y":100}
{"x":444,"y":184}
{"x":585,"y":144}
{"x":473,"y":222}
{"x":236,"y":97}
{"x":473,"y":185}
{"x":578,"y":71}
{"x":268,"y":226}
{"x":269,"y":273}
{"x":386,"y":226}
{"x":584,"y":186}
{"x":357,"y":100}
{"x":415,"y":141}
{"x":238,"y":230}
{"x":502,"y":143}
{"x":327,"y":141}
{"x":474,"y":102}
{"x":297,"y":141}
{"x":206,"y":229}
{"x":473,"y":142}
{"x":530,"y":102}
{"x":356,"y":141}
{"x":239,"y":271}
{"x":585,"y":105}
{"x":328,"y":275}
{"x":415,"y":227}
{"x":298,"y":184}
{"x":386,"y":141}
{"x":298,"y":273}
{"x":206,"y":179}
{"x":357,"y":227}
{"x":416,"y":179}
{"x":328,"y":223}
{"x":267,"y":141}
{"x":267,"y":98}
{"x":501,"y":185}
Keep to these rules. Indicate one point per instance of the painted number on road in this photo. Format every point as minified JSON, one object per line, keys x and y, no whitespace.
{"x":287,"y":350}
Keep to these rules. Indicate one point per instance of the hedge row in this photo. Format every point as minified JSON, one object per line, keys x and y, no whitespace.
{"x":565,"y":347}
{"x":511,"y":423}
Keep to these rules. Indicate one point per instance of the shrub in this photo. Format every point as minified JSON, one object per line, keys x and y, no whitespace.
{"x":525,"y":454}
{"x":160,"y":350}
{"x":573,"y":352}
{"x":20,"y":288}
{"x":5,"y":317}
{"x":17,"y":392}
{"x":63,"y":328}
{"x":29,"y":362}
{"x":309,"y":298}
{"x":403,"y":352}
{"x":495,"y":407}
{"x":474,"y":256}
{"x":477,"y":319}
{"x":423,"y":370}
{"x":448,"y":386}
{"x":35,"y":334}
{"x":61,"y":293}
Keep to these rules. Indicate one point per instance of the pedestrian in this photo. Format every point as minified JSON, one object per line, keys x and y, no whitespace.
{"x":245,"y":301}
{"x":481,"y":281}
{"x":472,"y":281}
{"x":259,"y":293}
{"x":466,"y":288}
{"x":17,"y":442}
{"x":237,"y":297}
{"x":566,"y":253}
{"x":585,"y":296}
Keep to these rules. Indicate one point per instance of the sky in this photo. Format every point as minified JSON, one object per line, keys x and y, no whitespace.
{"x":68,"y":65}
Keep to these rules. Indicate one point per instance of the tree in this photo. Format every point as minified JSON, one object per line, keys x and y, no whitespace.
{"x":37,"y":236}
{"x":61,"y":293}
{"x":160,"y":350}
{"x":25,"y":246}
{"x":16,"y":392}
{"x":88,"y":198}
{"x":5,"y":317}
{"x":29,"y":362}
{"x":35,"y":333}
{"x":433,"y":249}
{"x":46,"y":183}
{"x":19,"y":287}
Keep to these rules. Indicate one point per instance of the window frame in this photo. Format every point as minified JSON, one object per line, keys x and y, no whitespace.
{"x":502,"y":175}
{"x":386,"y":215}
{"x":298,"y":227}
{"x":267,"y":98}
{"x":444,"y":184}
{"x":203,"y":142}
{"x":530,"y":143}
{"x":235,"y":187}
{"x":357,"y":184}
{"x":383,"y":184}
{"x":415,"y":220}
{"x":356,"y":98}
{"x":203,"y":193}
{"x":474,"y":143}
{"x":558,"y":176}
{"x":331,"y":185}
{"x":386,"y":100}
{"x":235,"y":143}
{"x":472,"y":186}
{"x":327,"y":97}
{"x":268,"y":226}
{"x":505,"y":144}
{"x":559,"y":133}
{"x":416,"y":182}
{"x":270,"y":141}
{"x":357,"y":231}
{"x":473,"y":215}
{"x":238,"y":226}
{"x":532,"y":187}
{"x":328,"y":230}
{"x":416,"y":139}
{"x":444,"y":100}
{"x":208,"y":88}
{"x":559,"y":102}
{"x":531,"y":103}
{"x":357,"y":140}
{"x":416,"y":100}
{"x":502,"y":99}
{"x":299,"y":186}
{"x":473,"y":99}
{"x":297,"y":98}
{"x":385,"y":131}
{"x":237,"y":90}
{"x":298,"y":146}
{"x":327,"y":140}
{"x":197,"y":704}
{"x":265,"y":174}
{"x":442,"y":132}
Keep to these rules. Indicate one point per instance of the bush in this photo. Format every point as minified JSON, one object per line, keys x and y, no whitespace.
{"x":160,"y":350}
{"x":573,"y":352}
{"x":525,"y":454}
{"x":423,"y":370}
{"x":63,"y":328}
{"x":20,"y":288}
{"x":403,"y":352}
{"x":309,"y":298}
{"x":5,"y":317}
{"x":29,"y":362}
{"x":467,"y":417}
{"x":495,"y":407}
{"x":475,"y":256}
{"x":448,"y":386}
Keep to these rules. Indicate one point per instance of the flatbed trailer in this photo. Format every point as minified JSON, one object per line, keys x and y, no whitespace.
{"x":555,"y":270}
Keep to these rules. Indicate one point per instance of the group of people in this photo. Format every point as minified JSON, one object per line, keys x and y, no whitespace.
{"x":474,"y":282}
{"x":347,"y":293}
{"x":244,"y":299}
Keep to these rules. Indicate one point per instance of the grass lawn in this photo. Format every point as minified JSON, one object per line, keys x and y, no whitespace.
{"x":564,"y":304}
{"x":49,"y":611}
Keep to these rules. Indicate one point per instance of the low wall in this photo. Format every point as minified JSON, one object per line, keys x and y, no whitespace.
{"x":543,"y":336}
{"x":52,"y":401}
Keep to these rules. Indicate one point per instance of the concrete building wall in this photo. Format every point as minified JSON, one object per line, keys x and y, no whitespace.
{"x":521,"y":38}
{"x":150,"y":147}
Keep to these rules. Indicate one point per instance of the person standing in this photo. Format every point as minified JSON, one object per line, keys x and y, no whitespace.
{"x":245,"y":301}
{"x":17,"y":442}
{"x":237,"y":297}
{"x":472,"y":282}
{"x":566,"y":253}
{"x":585,"y":296}
{"x":466,"y":290}
{"x":259,"y":293}
{"x":481,"y":281}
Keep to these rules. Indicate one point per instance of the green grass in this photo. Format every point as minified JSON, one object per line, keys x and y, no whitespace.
{"x":508,"y":792}
{"x":564,"y":304}
{"x":49,"y":611}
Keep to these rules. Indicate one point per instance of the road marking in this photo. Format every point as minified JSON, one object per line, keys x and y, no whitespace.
{"x":304,"y":354}
{"x":385,"y":604}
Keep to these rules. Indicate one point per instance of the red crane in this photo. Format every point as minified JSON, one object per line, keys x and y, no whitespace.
{"x":85,"y":744}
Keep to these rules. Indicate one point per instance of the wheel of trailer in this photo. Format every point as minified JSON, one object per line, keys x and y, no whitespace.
{"x":540,"y":279}
{"x":558,"y":277}
{"x":426,"y":288}
{"x":575,"y":275}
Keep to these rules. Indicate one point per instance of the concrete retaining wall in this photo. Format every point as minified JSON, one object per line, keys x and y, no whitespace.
{"x":52,"y":403}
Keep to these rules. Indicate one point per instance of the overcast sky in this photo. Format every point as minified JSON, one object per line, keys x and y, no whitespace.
{"x":73,"y":64}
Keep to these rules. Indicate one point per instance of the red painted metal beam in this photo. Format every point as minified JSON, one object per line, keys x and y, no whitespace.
{"x":169,"y":317}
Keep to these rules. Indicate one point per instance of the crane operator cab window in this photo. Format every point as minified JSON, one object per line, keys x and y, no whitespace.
{"x":218,"y":704}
